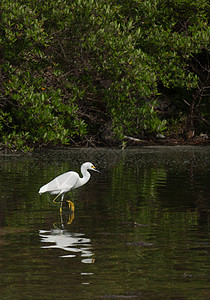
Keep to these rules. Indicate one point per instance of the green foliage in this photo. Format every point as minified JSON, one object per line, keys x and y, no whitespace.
{"x":55,"y":56}
{"x":37,"y":113}
{"x":139,"y":46}
{"x":34,"y":111}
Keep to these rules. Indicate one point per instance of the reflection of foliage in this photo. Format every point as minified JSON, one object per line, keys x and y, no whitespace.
{"x":136,"y":186}
{"x":151,"y":180}
{"x":153,"y":187}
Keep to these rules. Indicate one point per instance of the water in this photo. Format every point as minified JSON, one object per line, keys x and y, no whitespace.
{"x":140,"y":229}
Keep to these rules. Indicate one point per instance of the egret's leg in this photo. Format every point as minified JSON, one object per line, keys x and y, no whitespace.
{"x":71,"y":205}
{"x":61,"y":206}
{"x":56,"y":197}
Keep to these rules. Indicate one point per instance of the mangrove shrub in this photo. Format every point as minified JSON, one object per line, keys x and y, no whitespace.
{"x":70,"y":69}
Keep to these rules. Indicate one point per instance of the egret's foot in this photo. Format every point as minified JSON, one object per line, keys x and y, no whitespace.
{"x":71,"y":205}
{"x":56,"y":202}
{"x":62,"y":195}
{"x":71,"y":218}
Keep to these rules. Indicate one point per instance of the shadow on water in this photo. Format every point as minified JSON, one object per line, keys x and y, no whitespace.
{"x":140,"y":229}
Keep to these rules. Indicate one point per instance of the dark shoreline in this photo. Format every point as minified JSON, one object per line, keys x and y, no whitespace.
{"x":166,"y":142}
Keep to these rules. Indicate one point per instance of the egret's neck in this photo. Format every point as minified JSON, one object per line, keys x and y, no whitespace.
{"x":85,"y":176}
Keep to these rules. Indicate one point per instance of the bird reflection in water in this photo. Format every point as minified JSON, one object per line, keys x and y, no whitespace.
{"x":72,"y":242}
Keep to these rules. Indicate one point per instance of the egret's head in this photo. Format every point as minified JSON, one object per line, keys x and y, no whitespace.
{"x":89,"y":166}
{"x":94,"y":168}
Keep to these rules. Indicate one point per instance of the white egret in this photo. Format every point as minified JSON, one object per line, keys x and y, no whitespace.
{"x":66,"y":182}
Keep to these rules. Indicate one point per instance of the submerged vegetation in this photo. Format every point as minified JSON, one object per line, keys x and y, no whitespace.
{"x":92,"y":71}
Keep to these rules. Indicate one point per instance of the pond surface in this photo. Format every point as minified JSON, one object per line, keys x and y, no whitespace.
{"x":140,"y":228}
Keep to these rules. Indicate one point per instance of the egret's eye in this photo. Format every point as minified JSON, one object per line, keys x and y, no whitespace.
{"x":92,"y":167}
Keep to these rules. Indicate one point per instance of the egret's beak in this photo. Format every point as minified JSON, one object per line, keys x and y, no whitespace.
{"x":94,"y":169}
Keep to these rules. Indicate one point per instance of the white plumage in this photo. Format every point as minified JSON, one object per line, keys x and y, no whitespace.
{"x":64,"y":182}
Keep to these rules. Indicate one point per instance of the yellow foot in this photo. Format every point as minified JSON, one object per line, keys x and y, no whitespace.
{"x":71,"y":205}
{"x":56,"y":202}
{"x":71,"y":218}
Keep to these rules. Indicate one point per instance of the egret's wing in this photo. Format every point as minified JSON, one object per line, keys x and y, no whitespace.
{"x":64,"y":182}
